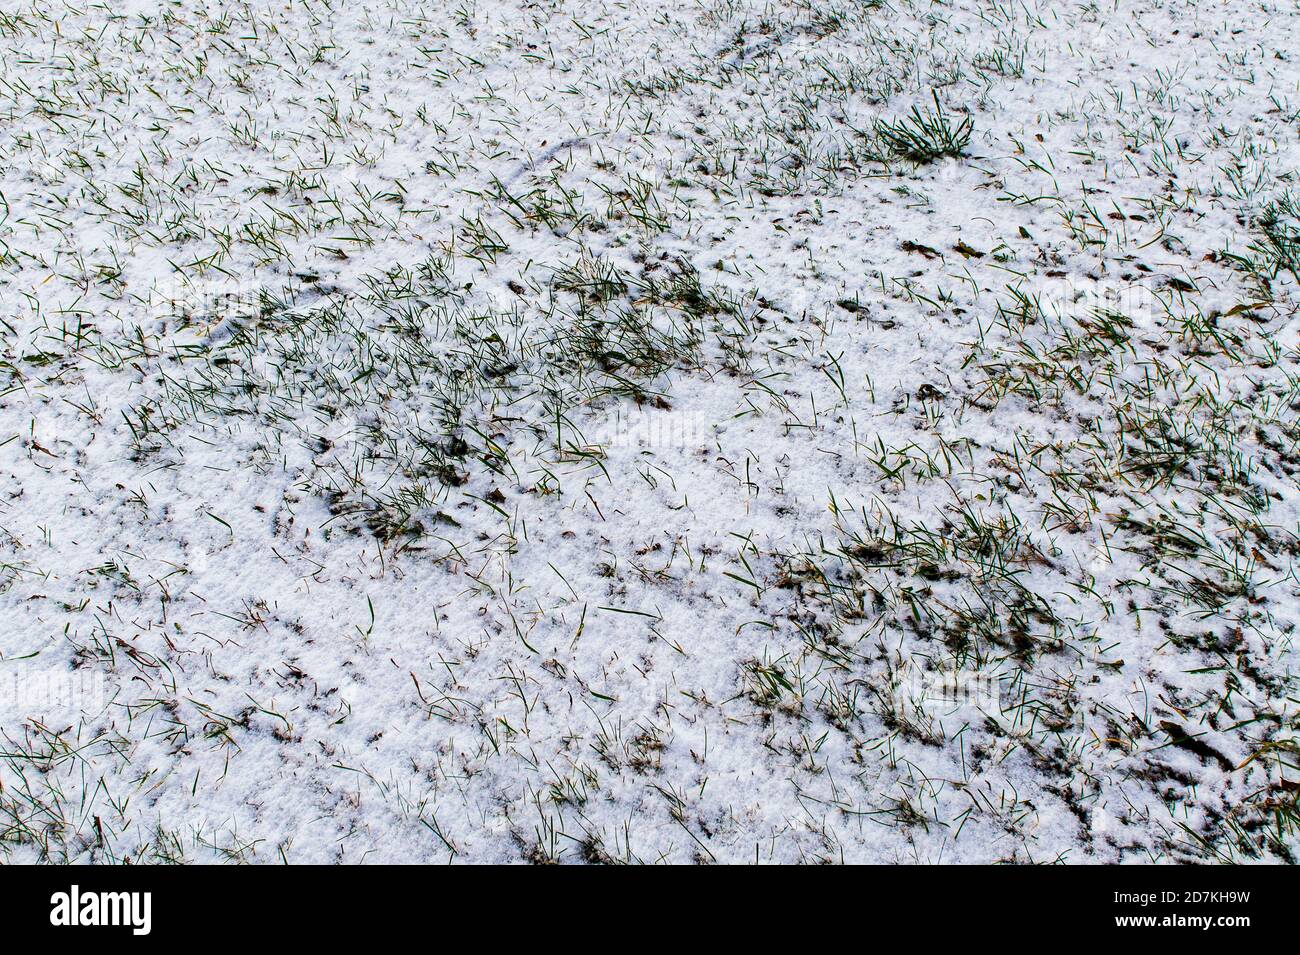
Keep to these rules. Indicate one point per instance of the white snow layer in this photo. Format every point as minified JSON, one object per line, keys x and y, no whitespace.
{"x":560,"y":430}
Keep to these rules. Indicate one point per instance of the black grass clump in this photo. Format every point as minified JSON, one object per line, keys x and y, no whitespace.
{"x":925,"y":135}
{"x":1280,"y":223}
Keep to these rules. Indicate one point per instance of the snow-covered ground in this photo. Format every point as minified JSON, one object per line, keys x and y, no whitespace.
{"x":690,"y":430}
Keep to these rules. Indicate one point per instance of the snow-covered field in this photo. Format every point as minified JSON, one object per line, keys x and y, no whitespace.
{"x":676,"y":431}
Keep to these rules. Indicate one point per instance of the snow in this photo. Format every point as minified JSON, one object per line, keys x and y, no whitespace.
{"x":266,"y":264}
